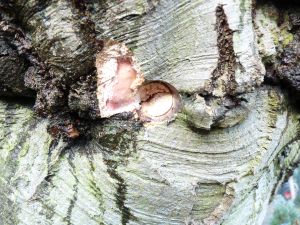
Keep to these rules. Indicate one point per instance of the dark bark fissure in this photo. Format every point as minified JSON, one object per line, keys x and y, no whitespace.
{"x":52,"y":146}
{"x":288,"y":69}
{"x":120,"y":195}
{"x":227,"y":63}
{"x":67,"y":219}
{"x":10,"y":66}
{"x":118,"y":145}
{"x":121,"y":190}
{"x":93,"y":185}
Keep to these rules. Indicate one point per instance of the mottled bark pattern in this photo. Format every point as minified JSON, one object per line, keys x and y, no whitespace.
{"x":218,"y":158}
{"x":288,"y":69}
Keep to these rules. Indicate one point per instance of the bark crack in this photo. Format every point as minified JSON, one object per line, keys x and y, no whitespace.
{"x":67,"y":219}
{"x":223,"y":76}
{"x":120,"y":195}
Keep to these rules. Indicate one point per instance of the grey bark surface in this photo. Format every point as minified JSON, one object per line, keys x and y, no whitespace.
{"x":217,"y":162}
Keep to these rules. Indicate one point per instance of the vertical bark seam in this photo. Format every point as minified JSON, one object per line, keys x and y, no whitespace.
{"x":227,"y":64}
{"x":67,"y":219}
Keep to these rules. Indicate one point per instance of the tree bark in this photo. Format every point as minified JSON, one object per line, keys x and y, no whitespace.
{"x":217,"y":160}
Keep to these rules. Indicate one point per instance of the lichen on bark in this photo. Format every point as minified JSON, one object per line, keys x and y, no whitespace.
{"x":121,"y":171}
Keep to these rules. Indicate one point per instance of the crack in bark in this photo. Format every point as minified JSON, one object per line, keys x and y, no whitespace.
{"x":120,"y":195}
{"x":225,"y":205}
{"x":116,"y":151}
{"x":97,"y":193}
{"x":75,"y":194}
{"x":224,"y":74}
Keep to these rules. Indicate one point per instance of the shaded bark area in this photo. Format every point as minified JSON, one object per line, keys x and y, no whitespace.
{"x":283,"y":64}
{"x":15,"y":60}
{"x":82,"y":97}
{"x":64,"y":43}
{"x":288,"y":69}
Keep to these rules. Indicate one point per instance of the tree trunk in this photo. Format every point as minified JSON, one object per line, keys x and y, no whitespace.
{"x":77,"y":157}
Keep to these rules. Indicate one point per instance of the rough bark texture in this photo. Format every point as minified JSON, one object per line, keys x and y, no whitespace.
{"x":218,"y":160}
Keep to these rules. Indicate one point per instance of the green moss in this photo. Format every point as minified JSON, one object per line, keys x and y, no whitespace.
{"x":95,"y":190}
{"x":274,"y":105}
{"x":287,"y":37}
{"x":24,"y":149}
{"x":280,"y":35}
{"x":8,"y":213}
{"x":209,"y":198}
{"x":254,"y":163}
{"x":14,"y":124}
{"x":275,"y":37}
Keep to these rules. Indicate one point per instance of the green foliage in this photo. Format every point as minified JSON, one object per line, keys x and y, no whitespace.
{"x":285,"y":213}
{"x":296,"y":176}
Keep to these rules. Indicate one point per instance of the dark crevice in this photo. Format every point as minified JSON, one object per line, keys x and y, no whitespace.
{"x":130,"y":17}
{"x":28,"y":11}
{"x":20,"y":100}
{"x":282,"y":4}
{"x":120,"y":195}
{"x":67,"y":219}
{"x":117,"y":146}
{"x":283,"y":69}
{"x":96,"y":190}
{"x":227,"y":63}
{"x":80,"y":5}
{"x":50,"y":173}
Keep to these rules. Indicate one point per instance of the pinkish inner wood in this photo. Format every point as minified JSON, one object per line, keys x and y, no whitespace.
{"x":122,"y":94}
